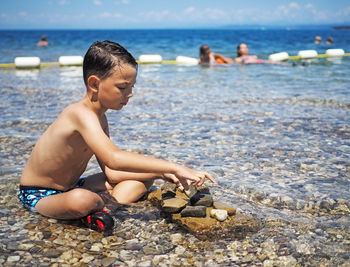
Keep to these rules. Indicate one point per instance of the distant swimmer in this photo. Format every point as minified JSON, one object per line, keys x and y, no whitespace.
{"x":318,"y":40}
{"x":43,"y":41}
{"x":243,"y":56}
{"x":329,"y":40}
{"x":206,"y":57}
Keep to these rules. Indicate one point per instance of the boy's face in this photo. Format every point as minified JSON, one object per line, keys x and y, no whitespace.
{"x":114,"y":91}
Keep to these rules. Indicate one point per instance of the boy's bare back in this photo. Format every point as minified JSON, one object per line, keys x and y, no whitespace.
{"x":61,"y":155}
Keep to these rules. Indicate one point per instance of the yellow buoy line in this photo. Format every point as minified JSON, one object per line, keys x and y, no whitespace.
{"x":34,"y":62}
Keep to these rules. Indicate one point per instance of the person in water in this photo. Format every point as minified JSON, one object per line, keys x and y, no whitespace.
{"x":329,"y":40}
{"x":318,"y":40}
{"x":206,"y":57}
{"x":51,"y":182}
{"x":243,"y":56}
{"x":43,"y":41}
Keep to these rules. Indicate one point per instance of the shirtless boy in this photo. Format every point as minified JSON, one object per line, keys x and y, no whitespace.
{"x":50,"y":183}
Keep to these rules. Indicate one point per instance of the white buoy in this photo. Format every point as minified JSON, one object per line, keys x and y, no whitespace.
{"x":27,"y":62}
{"x":186,"y":60}
{"x":335,"y":52}
{"x":71,"y":60}
{"x":150,"y":59}
{"x":278,"y":56}
{"x":307,"y":54}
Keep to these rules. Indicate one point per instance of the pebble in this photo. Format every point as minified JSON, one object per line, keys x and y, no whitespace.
{"x":220,"y":215}
{"x":176,"y":238}
{"x":133,"y":244}
{"x":13,"y":258}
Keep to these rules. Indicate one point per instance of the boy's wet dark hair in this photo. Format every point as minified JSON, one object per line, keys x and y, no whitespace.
{"x":102,"y":57}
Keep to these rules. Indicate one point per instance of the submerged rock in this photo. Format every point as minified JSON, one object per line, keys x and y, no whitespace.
{"x":201,"y":199}
{"x":173,"y":205}
{"x":224,"y":206}
{"x":234,"y":227}
{"x":168,"y":190}
{"x":194,"y":211}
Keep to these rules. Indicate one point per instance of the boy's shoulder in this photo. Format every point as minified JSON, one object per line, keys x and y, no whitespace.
{"x":82,"y":116}
{"x":78,"y":109}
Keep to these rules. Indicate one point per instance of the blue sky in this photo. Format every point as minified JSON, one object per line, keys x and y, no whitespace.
{"x":126,"y":14}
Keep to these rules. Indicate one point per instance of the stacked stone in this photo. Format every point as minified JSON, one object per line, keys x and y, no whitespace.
{"x":196,"y":210}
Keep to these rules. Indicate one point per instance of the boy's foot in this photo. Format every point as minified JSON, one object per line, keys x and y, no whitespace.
{"x":99,"y":221}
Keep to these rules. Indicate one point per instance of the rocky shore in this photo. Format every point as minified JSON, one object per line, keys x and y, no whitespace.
{"x":144,"y":236}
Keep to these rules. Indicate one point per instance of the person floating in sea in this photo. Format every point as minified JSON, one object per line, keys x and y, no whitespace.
{"x":243,"y":56}
{"x":43,"y":41}
{"x":318,"y":40}
{"x":51,"y":182}
{"x":329,"y":40}
{"x":206,"y":57}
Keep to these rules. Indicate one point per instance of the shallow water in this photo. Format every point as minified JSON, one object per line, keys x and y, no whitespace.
{"x":276,"y":138}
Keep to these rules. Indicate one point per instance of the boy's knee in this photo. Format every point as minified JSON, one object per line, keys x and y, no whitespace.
{"x":85,"y":202}
{"x":130,"y":191}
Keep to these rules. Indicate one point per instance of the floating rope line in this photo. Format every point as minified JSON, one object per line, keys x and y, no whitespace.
{"x":34,"y":62}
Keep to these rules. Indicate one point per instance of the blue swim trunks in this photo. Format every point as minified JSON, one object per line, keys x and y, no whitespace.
{"x":30,"y":195}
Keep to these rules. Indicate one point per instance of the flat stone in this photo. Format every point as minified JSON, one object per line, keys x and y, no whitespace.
{"x":52,"y":253}
{"x":200,"y":199}
{"x":13,"y":258}
{"x":133,"y":244}
{"x":25,"y":246}
{"x":155,"y":197}
{"x":173,"y":205}
{"x":168,"y":187}
{"x":194,"y":211}
{"x":108,"y":261}
{"x":231,"y":210}
{"x":203,"y":189}
{"x":191,"y":191}
{"x":182,"y":194}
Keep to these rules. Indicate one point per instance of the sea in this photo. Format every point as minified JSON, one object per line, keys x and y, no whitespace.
{"x":276,"y":137}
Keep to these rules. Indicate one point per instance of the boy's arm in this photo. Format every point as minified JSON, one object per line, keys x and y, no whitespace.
{"x":119,"y":176}
{"x":112,"y":157}
{"x":114,"y":176}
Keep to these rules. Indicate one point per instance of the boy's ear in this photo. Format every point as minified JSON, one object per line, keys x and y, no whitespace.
{"x":93,"y":83}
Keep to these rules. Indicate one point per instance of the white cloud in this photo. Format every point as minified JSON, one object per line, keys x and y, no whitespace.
{"x":63,"y":2}
{"x":346,"y":11}
{"x":122,"y":2}
{"x":97,"y":2}
{"x":110,"y":15}
{"x":216,"y":14}
{"x":189,"y":10}
{"x":156,"y":16}
{"x":293,"y":5}
{"x":309,"y":6}
{"x":22,"y":14}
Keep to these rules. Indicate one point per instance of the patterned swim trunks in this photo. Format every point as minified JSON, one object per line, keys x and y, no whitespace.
{"x":30,"y":195}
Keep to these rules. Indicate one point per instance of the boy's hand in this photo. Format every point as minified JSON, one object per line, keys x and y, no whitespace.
{"x":185,"y":177}
{"x":180,"y":183}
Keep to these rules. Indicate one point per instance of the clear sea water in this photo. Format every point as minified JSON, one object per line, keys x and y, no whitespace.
{"x":274,"y":136}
